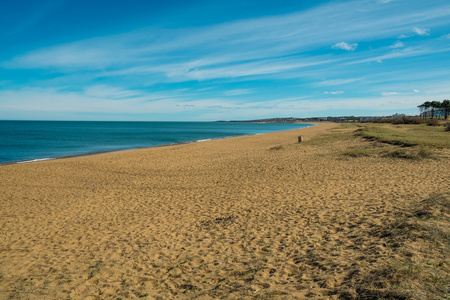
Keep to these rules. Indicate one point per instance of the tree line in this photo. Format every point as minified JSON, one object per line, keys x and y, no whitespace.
{"x":435,"y":109}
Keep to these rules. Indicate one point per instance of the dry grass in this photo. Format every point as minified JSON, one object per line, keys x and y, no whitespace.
{"x":412,"y":142}
{"x":406,"y":135}
{"x":417,"y":235}
{"x":419,"y":265}
{"x":416,"y":153}
{"x":357,"y":153}
{"x":433,"y":122}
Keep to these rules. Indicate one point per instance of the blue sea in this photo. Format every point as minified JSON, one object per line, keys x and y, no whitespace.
{"x":23,"y":141}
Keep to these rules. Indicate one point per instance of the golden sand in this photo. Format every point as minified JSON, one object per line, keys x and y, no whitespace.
{"x":240,"y":217}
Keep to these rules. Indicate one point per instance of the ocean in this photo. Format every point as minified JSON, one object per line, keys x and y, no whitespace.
{"x":25,"y":141}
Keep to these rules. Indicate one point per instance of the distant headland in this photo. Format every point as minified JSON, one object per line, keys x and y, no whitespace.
{"x":316,"y":119}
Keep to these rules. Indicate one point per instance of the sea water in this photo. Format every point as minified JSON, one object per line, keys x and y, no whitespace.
{"x":23,"y":141}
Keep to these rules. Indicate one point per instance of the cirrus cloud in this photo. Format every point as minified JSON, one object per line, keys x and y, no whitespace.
{"x":334,"y":93}
{"x":389,"y":93}
{"x":421,"y":31}
{"x":398,"y":44}
{"x":345,"y":46}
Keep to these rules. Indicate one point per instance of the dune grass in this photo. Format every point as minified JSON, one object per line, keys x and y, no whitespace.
{"x":406,"y":135}
{"x":416,"y":235}
{"x":419,"y":266}
{"x":413,"y":142}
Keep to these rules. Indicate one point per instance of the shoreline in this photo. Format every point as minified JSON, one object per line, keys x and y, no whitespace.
{"x":131,"y":149}
{"x":256,"y":215}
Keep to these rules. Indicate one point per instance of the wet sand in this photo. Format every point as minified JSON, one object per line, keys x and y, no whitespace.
{"x":240,"y":217}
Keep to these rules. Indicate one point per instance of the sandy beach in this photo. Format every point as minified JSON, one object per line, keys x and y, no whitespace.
{"x":246,"y":217}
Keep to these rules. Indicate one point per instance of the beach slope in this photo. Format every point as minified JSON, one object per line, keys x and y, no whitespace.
{"x":244,"y":217}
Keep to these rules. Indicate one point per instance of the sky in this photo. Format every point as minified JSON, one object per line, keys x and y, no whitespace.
{"x":207,"y":60}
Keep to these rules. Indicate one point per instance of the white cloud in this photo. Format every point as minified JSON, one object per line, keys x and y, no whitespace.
{"x":270,"y":68}
{"x":398,"y":44}
{"x":421,"y":31}
{"x":233,"y":42}
{"x":55,"y":101}
{"x":105,"y":91}
{"x":389,"y":93}
{"x":51,"y":103}
{"x":238,"y":92}
{"x":334,"y":93}
{"x":345,"y":46}
{"x":406,"y":52}
{"x":333,"y":82}
{"x":416,"y":91}
{"x":294,"y":46}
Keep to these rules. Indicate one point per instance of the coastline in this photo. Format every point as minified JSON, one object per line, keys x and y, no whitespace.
{"x":50,"y":157}
{"x":258,"y":215}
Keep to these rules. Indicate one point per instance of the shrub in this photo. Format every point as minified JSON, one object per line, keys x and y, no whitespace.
{"x":356,"y":153}
{"x":407,"y":120}
{"x":425,"y":153}
{"x":400,"y":153}
{"x":399,"y":120}
{"x":447,"y":126}
{"x":416,"y":154}
{"x":433,"y":122}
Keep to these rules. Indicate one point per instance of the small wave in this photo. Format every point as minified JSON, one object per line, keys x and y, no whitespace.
{"x":33,"y":160}
{"x":205,"y":140}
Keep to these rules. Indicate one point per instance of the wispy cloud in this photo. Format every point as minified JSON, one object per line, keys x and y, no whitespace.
{"x":400,"y":53}
{"x":297,"y":53}
{"x":238,"y":92}
{"x":333,"y":82}
{"x":389,"y":93}
{"x":345,"y":46}
{"x":421,"y":31}
{"x":334,"y":93}
{"x":232,"y":42}
{"x":52,"y":103}
{"x":398,"y":44}
{"x":104,"y":91}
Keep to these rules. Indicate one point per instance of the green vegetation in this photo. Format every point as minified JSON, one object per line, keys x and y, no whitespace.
{"x":357,"y":153}
{"x":406,"y":135}
{"x":398,"y":120}
{"x":404,"y":141}
{"x":345,"y":132}
{"x":416,"y":153}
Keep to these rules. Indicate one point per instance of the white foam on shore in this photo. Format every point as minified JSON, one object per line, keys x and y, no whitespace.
{"x":33,"y":160}
{"x":205,"y":140}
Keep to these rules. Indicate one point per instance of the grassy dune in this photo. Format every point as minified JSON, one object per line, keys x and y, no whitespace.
{"x":418,"y":234}
{"x":407,"y":135}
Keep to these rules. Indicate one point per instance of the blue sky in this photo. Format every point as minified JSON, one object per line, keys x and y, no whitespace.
{"x":220,"y":60}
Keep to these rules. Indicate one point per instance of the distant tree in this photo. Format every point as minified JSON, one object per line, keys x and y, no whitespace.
{"x":435,"y":107}
{"x":446,"y":108}
{"x":424,"y":107}
{"x":421,"y":109}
